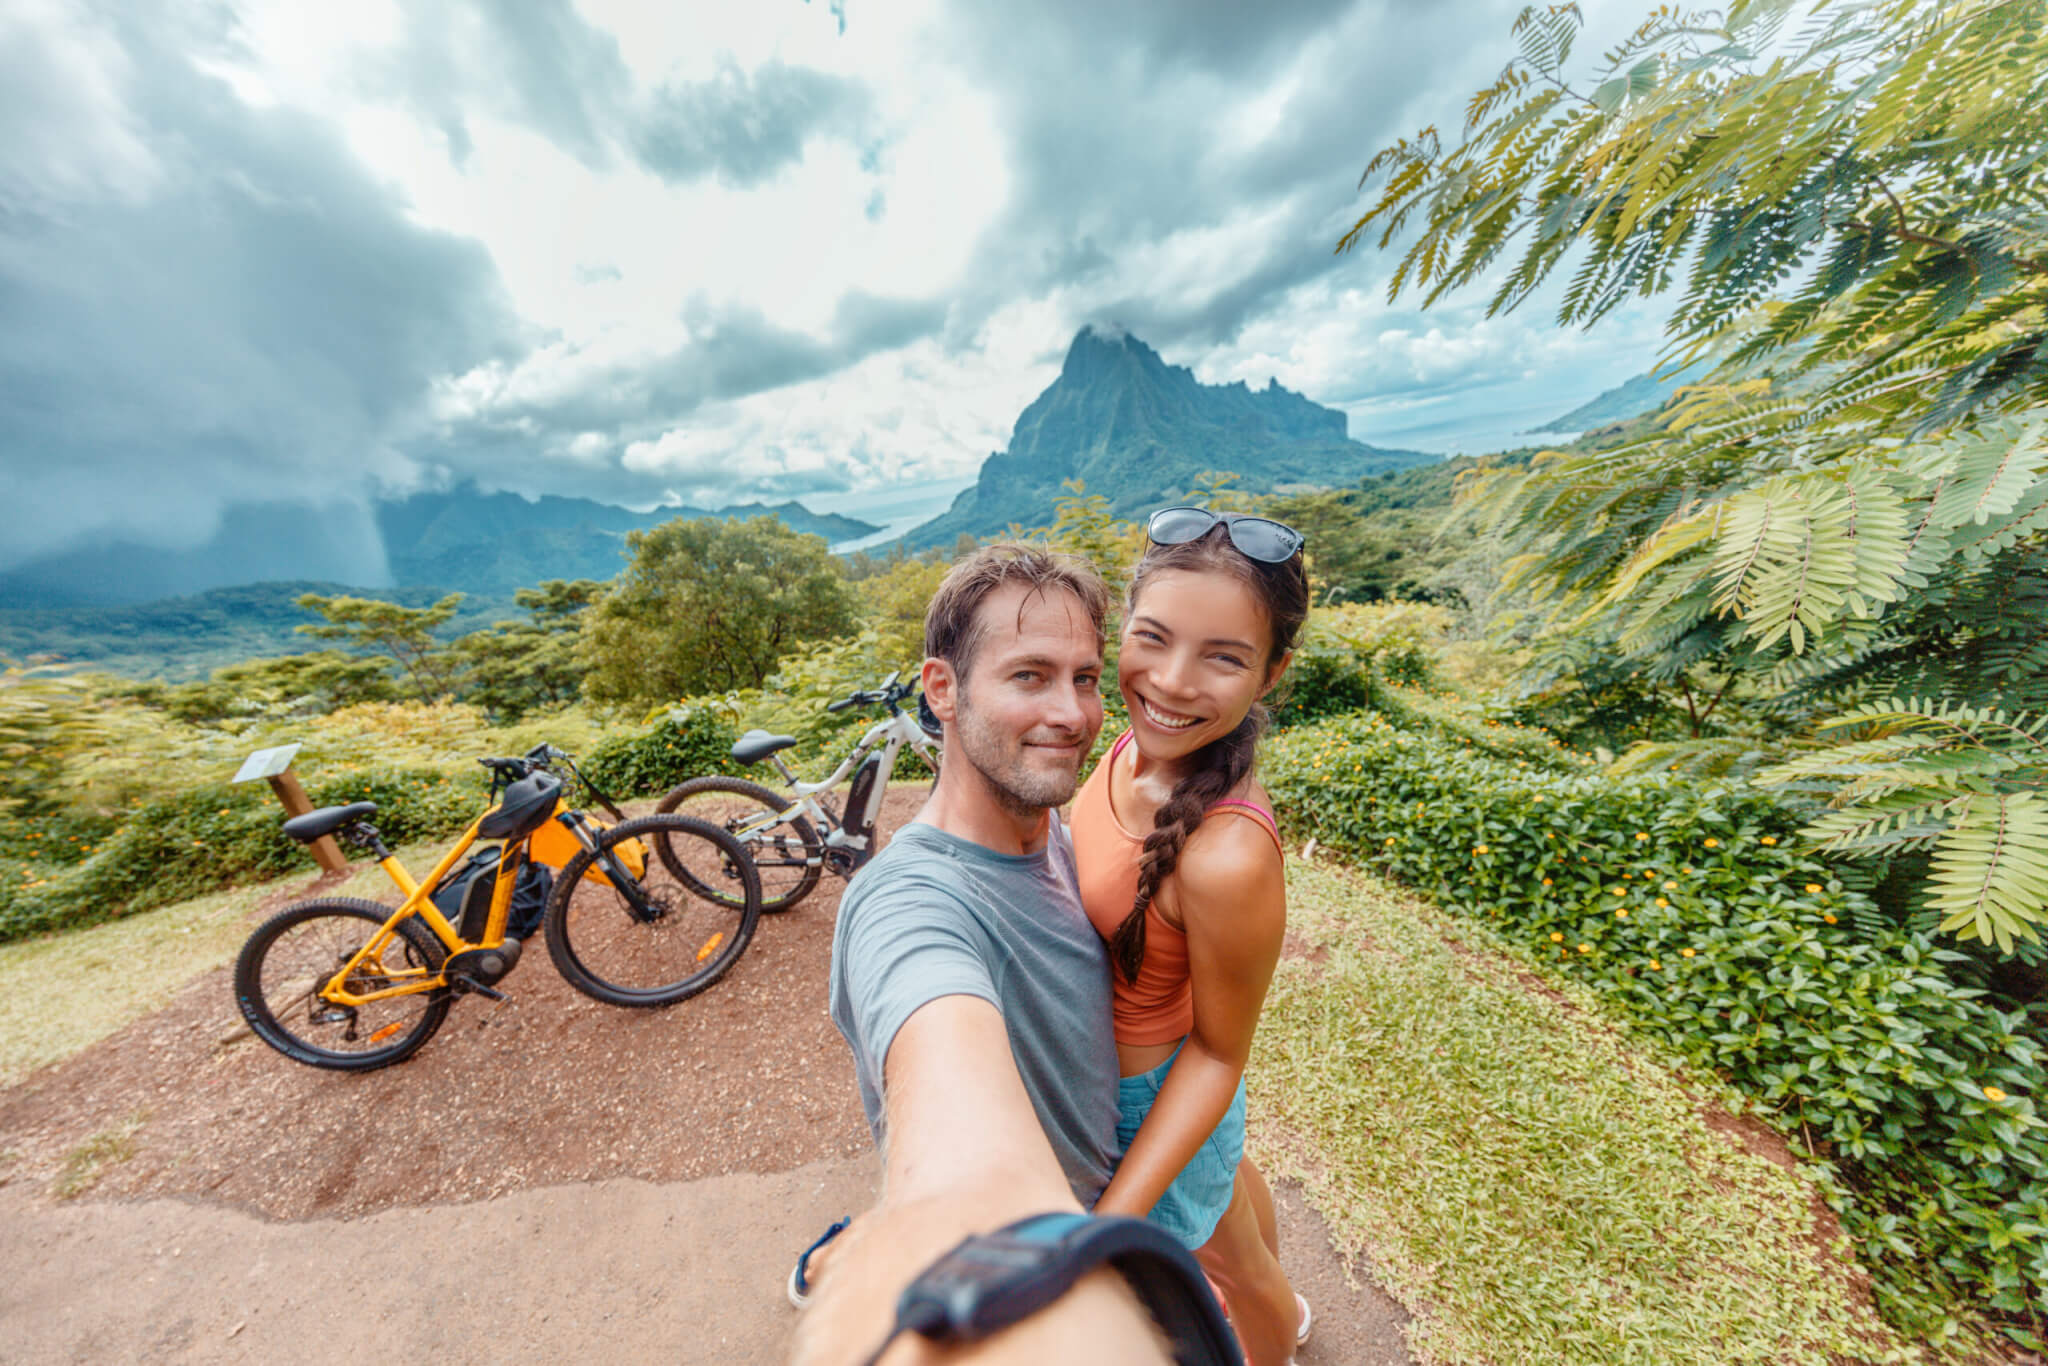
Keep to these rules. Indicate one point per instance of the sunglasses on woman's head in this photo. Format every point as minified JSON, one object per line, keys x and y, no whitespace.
{"x":1256,"y":538}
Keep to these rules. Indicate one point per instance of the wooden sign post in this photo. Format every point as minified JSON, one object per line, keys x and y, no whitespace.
{"x":275,"y":766}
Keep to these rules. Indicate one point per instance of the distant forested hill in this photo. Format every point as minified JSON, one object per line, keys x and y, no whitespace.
{"x":499,"y":543}
{"x":188,"y":637}
{"x":461,"y":540}
{"x":1633,"y":397}
{"x":1139,"y":431}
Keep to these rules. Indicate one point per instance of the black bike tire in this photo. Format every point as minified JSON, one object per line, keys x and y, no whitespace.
{"x":558,"y":919}
{"x":262,"y":1017}
{"x":799,"y":829}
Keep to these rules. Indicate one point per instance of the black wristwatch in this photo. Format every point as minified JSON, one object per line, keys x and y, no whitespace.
{"x":992,"y":1280}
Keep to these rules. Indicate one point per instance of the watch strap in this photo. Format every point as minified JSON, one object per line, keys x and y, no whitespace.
{"x":992,"y":1280}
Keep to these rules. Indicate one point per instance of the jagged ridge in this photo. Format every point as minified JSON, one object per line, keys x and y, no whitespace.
{"x":1140,"y":431}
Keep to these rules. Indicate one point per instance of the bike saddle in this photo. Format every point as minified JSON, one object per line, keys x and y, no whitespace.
{"x":526,"y":805}
{"x":757,"y":745}
{"x":327,"y":820}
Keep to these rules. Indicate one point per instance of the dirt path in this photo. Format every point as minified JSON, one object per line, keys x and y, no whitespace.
{"x":548,"y":1178}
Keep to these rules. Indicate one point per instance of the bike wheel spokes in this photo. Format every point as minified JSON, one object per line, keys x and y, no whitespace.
{"x":287,"y":963}
{"x":786,"y":851}
{"x":653,"y":938}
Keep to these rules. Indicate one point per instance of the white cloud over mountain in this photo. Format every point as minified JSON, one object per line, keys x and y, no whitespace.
{"x":708,"y":252}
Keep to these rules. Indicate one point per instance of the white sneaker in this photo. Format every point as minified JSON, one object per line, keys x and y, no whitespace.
{"x":1308,"y":1319}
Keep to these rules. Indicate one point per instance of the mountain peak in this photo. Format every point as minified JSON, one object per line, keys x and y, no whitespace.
{"x":1100,"y":347}
{"x":1140,"y":432}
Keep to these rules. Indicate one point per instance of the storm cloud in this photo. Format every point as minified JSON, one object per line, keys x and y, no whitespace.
{"x":231,"y":310}
{"x":255,"y":252}
{"x":744,"y":127}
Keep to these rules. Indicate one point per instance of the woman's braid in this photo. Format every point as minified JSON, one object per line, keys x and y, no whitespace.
{"x":1221,"y":766}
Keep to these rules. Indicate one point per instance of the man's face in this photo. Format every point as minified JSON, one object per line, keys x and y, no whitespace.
{"x":1031,"y":705}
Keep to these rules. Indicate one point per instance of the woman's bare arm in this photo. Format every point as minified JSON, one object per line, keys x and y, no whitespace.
{"x":1231,"y":892}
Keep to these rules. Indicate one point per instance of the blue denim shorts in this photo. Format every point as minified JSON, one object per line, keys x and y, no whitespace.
{"x":1194,"y":1203}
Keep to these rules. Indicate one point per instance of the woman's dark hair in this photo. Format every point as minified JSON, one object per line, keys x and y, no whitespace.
{"x":1219,"y":766}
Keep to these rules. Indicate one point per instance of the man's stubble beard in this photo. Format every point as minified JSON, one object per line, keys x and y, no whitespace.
{"x":1015,"y":788}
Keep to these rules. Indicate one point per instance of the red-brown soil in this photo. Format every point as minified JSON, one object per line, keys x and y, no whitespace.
{"x":547,"y":1179}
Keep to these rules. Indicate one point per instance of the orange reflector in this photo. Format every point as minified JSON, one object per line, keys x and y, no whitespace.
{"x":711,"y":946}
{"x":387,"y":1031}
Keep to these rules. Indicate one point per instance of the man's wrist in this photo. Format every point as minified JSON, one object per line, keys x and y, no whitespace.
{"x":991,"y":1282}
{"x":853,"y":1312}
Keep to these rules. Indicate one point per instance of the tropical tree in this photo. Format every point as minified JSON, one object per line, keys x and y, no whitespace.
{"x":514,"y":667}
{"x":404,"y":634}
{"x":1847,"y":517}
{"x":710,"y":606}
{"x":1082,"y":524}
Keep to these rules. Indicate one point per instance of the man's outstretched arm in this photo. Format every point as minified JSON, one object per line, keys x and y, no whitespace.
{"x":963,"y":1154}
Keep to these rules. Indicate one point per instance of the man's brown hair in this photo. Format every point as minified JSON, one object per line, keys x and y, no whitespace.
{"x":953,"y":628}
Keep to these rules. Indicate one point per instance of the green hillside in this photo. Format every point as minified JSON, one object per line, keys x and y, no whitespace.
{"x":498,"y":543}
{"x":1633,"y":397}
{"x":188,"y":637}
{"x":457,"y":540}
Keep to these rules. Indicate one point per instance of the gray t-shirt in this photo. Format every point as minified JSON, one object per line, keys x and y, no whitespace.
{"x":936,"y":915}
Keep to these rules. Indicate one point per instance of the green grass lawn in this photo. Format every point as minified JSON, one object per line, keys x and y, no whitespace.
{"x":1534,"y":1187}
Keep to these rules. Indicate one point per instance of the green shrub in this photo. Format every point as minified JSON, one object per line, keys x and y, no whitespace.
{"x":210,"y":837}
{"x":1347,"y":653}
{"x":1324,"y":681}
{"x":686,"y":741}
{"x":1689,"y":907}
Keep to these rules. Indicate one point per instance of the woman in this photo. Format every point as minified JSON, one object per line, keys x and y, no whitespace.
{"x":1180,"y":869}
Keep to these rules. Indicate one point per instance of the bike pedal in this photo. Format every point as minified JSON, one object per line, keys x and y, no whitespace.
{"x":464,"y":985}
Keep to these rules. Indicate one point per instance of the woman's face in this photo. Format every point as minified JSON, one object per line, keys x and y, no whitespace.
{"x":1194,"y":658}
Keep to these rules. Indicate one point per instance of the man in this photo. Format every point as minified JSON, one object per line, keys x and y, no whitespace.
{"x":968,"y":982}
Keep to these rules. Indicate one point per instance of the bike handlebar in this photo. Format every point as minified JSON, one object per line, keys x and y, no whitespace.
{"x":542,"y":755}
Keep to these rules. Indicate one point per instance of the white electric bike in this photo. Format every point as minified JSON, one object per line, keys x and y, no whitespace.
{"x":791,"y":842}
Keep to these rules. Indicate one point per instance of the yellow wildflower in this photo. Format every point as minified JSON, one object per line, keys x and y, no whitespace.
{"x":1585,"y":948}
{"x":1546,"y":882}
{"x":1656,"y":966}
{"x":1770,"y":839}
{"x":1641,"y":837}
{"x":1662,"y":901}
{"x":1621,"y":913}
{"x":1685,"y":953}
{"x":1556,"y":937}
{"x":1713,"y":843}
{"x":1993,"y":1094}
{"x":1813,"y":887}
{"x":1670,"y":886}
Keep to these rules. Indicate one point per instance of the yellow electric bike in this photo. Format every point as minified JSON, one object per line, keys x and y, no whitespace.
{"x":353,"y":985}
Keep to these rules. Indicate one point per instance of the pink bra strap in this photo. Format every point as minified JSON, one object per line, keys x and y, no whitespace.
{"x":1259,"y":813}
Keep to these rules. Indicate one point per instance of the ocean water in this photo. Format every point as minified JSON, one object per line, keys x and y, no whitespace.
{"x":897,"y":508}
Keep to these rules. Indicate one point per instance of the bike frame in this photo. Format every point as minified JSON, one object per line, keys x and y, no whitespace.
{"x":419,"y":901}
{"x":894,"y":734}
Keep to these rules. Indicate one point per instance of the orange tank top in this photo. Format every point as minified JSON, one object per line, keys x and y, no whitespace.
{"x":1159,"y":1007}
